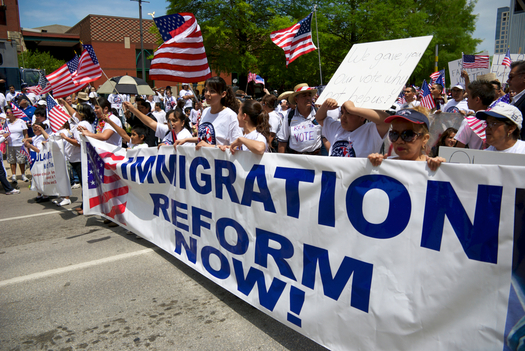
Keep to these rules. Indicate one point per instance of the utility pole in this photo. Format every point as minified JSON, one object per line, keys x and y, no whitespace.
{"x":142,"y":40}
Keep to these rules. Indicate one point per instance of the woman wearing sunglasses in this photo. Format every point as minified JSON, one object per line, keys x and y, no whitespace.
{"x":503,"y":128}
{"x":409,"y":136}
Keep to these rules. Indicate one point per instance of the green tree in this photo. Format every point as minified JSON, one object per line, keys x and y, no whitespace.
{"x":39,"y":60}
{"x":237,"y":33}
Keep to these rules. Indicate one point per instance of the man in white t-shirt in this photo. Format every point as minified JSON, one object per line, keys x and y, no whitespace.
{"x":301,"y":134}
{"x":187,"y":95}
{"x":481,"y":94}
{"x":457,"y":104}
{"x":12,"y":94}
{"x":410,"y":98}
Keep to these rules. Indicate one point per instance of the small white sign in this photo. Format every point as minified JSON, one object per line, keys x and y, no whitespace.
{"x":501,"y":71}
{"x":454,"y":72}
{"x":480,"y":157}
{"x":373,"y":74}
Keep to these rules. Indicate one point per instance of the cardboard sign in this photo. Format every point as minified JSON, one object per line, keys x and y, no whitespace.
{"x":454,"y":71}
{"x":501,"y":71}
{"x":480,"y":157}
{"x":373,"y":74}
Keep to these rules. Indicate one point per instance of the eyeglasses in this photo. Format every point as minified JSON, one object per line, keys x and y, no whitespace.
{"x":406,"y":135}
{"x":494,"y":124}
{"x":514,"y":75}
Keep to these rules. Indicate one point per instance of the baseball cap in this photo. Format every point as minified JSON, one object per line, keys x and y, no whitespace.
{"x":411,"y":116}
{"x":503,"y":111}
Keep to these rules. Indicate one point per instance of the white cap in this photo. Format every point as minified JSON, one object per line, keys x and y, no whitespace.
{"x":459,"y":86}
{"x":42,"y":102}
{"x":503,"y":111}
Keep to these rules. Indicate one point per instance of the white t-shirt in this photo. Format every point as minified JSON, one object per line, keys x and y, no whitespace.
{"x":160,"y":116}
{"x":11,"y":96}
{"x":220,"y":128}
{"x":194,"y":116}
{"x":468,"y":137}
{"x":275,"y":122}
{"x":453,"y":106}
{"x":255,"y":135}
{"x":37,"y":141}
{"x":2,"y":102}
{"x":518,"y":148}
{"x":116,"y":101}
{"x":406,"y":105}
{"x":170,"y":103}
{"x":17,"y":132}
{"x":162,"y":132}
{"x":32,"y":97}
{"x":68,"y":147}
{"x":75,"y":150}
{"x":362,"y":142}
{"x":114,"y":139}
{"x":137,"y":146}
{"x":188,"y":102}
{"x":302,"y":134}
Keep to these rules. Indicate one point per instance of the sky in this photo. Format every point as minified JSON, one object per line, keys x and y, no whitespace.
{"x":35,"y":13}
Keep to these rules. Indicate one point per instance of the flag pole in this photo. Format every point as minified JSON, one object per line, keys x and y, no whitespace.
{"x":318,"y":48}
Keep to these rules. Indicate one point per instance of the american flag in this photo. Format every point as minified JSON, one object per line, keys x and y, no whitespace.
{"x":259,"y":80}
{"x":88,"y":67}
{"x":475,"y":61}
{"x":478,"y":126}
{"x":427,"y":100}
{"x":441,"y":81}
{"x":295,"y":40}
{"x":43,"y":86}
{"x":106,"y":192}
{"x":182,"y":57}
{"x":62,"y":81}
{"x":434,"y":76}
{"x":26,"y":153}
{"x":251,"y":77}
{"x":56,"y":114}
{"x":506,"y":60}
{"x":17,"y":112}
{"x":401,"y":98}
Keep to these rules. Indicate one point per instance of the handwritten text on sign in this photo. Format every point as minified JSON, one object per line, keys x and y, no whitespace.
{"x":373,"y":74}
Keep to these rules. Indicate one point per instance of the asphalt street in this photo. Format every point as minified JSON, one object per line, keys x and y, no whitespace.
{"x":70,"y":282}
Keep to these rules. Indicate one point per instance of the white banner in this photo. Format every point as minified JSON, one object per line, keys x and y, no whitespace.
{"x":49,"y":170}
{"x":394,"y":257}
{"x":373,"y":74}
{"x":501,"y":71}
{"x":454,"y":72}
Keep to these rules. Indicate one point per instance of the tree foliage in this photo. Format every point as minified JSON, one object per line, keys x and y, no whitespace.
{"x":237,"y":33}
{"x":39,"y":60}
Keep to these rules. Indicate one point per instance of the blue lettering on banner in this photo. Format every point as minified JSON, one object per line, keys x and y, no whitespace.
{"x":398,"y":212}
{"x":197,"y":223}
{"x":206,"y":178}
{"x":333,"y":286}
{"x":242,"y":238}
{"x":169,"y":172}
{"x":327,"y":201}
{"x":191,"y":250}
{"x":227,"y":180}
{"x":263,"y":250}
{"x":267,"y":298}
{"x":224,"y":271}
{"x":293,"y":176}
{"x":145,"y":170}
{"x":479,"y":240}
{"x":257,"y":173}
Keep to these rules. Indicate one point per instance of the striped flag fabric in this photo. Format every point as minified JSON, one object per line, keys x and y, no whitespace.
{"x":43,"y":86}
{"x":62,"y":81}
{"x":56,"y":114}
{"x":476,"y":61}
{"x":478,"y":126}
{"x":434,"y":76}
{"x":506,"y":60}
{"x":106,"y":192}
{"x":427,"y":100}
{"x":259,"y":80}
{"x":182,"y":57}
{"x":295,"y":40}
{"x":23,"y":151}
{"x":17,"y":112}
{"x":88,"y":67}
{"x":251,"y":77}
{"x":401,"y":98}
{"x":441,"y":81}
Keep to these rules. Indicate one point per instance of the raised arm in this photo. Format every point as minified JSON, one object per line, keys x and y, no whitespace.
{"x":145,"y":119}
{"x":328,"y":104}
{"x":375,"y":116}
{"x":119,"y":130}
{"x":69,"y":109}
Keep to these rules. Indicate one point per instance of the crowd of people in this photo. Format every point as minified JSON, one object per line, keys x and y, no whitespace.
{"x":292,"y":122}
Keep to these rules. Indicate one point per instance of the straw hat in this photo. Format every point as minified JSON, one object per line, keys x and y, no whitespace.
{"x":285,"y":95}
{"x":298,"y":89}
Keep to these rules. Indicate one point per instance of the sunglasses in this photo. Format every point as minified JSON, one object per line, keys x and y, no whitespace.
{"x":406,"y":135}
